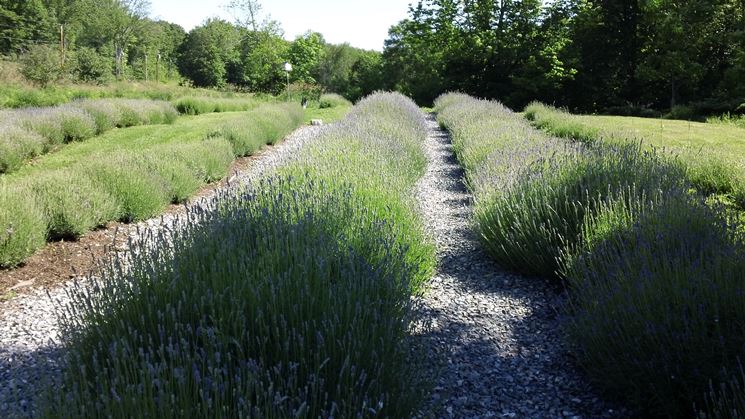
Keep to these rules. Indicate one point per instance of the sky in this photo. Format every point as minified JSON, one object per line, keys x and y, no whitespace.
{"x":363,"y":24}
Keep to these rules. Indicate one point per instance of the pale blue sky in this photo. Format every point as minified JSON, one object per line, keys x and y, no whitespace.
{"x":364,"y":24}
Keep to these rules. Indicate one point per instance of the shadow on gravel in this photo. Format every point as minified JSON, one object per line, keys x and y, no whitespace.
{"x":27,"y":376}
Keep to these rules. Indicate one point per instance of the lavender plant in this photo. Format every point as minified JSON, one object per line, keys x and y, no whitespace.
{"x":533,"y":192}
{"x":657,"y":301}
{"x":22,"y":226}
{"x":197,"y":105}
{"x":289,"y":298}
{"x":249,"y":132}
{"x":657,"y":307}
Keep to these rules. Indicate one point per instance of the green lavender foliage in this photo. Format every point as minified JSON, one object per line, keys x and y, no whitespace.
{"x":288,"y":298}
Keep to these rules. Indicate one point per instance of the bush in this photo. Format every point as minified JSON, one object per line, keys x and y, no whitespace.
{"x":533,"y":192}
{"x":657,"y":301}
{"x":104,"y":112}
{"x":208,"y":160}
{"x":686,"y":113}
{"x":726,"y":401}
{"x":44,"y":122}
{"x":90,"y":66}
{"x":22,"y":226}
{"x":72,"y":203}
{"x":41,"y":65}
{"x":166,"y":329}
{"x":140,"y":193}
{"x":197,"y":105}
{"x":77,"y":124}
{"x":332,"y":100}
{"x":16,"y":146}
{"x":265,"y":125}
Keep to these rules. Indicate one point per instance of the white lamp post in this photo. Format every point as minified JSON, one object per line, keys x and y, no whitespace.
{"x":288,"y":68}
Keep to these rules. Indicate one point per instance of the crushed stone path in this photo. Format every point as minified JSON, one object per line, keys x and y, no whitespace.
{"x":29,"y":333}
{"x":495,"y":337}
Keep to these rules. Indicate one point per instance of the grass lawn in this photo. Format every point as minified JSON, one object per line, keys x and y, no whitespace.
{"x":726,"y":139}
{"x":328,"y":115}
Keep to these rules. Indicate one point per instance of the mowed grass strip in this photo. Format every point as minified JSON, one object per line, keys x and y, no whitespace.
{"x":128,"y":175}
{"x":289,"y":298}
{"x":656,"y":299}
{"x":713,"y":153}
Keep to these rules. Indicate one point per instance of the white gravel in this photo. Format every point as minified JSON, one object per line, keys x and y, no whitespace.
{"x":495,"y":336}
{"x":30,"y":350}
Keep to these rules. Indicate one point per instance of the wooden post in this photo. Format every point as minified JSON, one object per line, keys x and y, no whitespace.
{"x":146,"y":68}
{"x":157,"y":69}
{"x":62,"y":45}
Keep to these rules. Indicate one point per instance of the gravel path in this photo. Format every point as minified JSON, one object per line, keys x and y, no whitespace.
{"x":29,"y":339}
{"x":495,"y":335}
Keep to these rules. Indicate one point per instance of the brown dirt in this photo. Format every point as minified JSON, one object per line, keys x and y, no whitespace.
{"x":58,"y":262}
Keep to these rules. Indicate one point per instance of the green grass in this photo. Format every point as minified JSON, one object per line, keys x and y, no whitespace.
{"x":714,"y":153}
{"x":327,"y":115}
{"x":291,"y":298}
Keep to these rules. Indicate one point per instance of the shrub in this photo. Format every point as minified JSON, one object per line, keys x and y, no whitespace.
{"x":140,"y":193}
{"x":657,"y":301}
{"x":41,"y":64}
{"x":22,"y":227}
{"x":44,"y":122}
{"x":265,"y":125}
{"x":728,"y":399}
{"x":197,"y":105}
{"x":90,"y":66}
{"x":72,"y":203}
{"x":533,"y":192}
{"x":77,"y":124}
{"x":687,"y":113}
{"x":208,"y":160}
{"x":166,"y":329}
{"x":709,"y":173}
{"x":16,"y":146}
{"x":332,"y":100}
{"x":179,"y":180}
{"x":561,"y":124}
{"x":104,"y":112}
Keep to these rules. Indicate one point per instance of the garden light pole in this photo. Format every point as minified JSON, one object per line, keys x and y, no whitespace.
{"x":288,"y":69}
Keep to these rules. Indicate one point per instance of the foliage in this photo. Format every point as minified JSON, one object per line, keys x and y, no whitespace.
{"x":91,"y":66}
{"x":545,"y":189}
{"x":22,"y":226}
{"x":304,"y":55}
{"x":208,"y":51}
{"x":329,"y":331}
{"x":655,"y":307}
{"x":41,"y":65}
{"x":331,"y":100}
{"x":589,"y":55}
{"x":197,"y":105}
{"x":657,"y":301}
{"x":127,"y":177}
{"x":72,"y":203}
{"x":266,"y":125}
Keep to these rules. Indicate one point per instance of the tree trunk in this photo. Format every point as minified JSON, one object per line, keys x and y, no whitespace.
{"x":673,"y":93}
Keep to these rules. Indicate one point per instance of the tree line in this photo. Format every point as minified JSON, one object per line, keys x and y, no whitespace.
{"x":619,"y":56}
{"x":591,"y":55}
{"x":102,"y":40}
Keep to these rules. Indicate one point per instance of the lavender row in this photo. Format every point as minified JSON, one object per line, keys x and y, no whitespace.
{"x":656,"y":299}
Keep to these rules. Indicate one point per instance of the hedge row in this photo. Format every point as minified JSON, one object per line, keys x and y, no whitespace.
{"x":289,"y":298}
{"x":657,"y":302}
